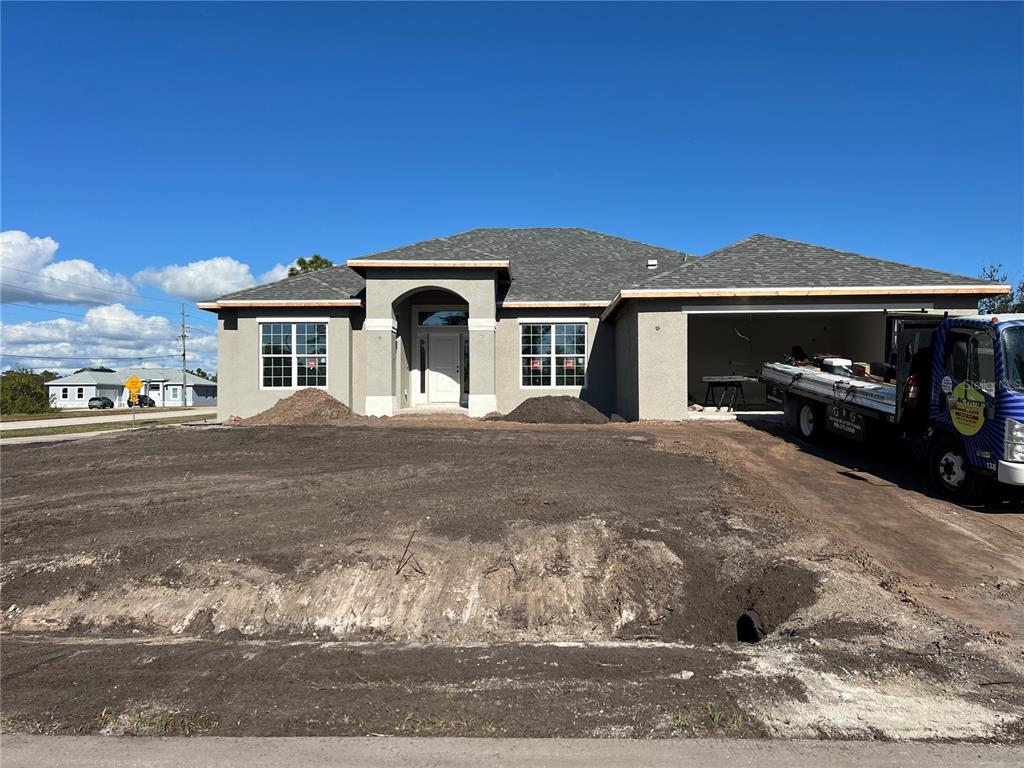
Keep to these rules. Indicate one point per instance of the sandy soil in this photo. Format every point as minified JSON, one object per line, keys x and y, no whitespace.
{"x":451,"y":576}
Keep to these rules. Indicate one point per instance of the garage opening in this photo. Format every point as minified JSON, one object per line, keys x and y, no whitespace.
{"x":725,"y":346}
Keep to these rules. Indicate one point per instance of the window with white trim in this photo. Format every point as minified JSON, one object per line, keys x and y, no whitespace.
{"x":81,"y":392}
{"x":63,"y":393}
{"x":293,"y":355}
{"x":553,"y":354}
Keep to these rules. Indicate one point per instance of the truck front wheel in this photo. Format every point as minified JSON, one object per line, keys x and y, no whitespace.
{"x":951,"y":473}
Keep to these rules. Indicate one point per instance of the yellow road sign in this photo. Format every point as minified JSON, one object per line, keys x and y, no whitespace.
{"x":133,"y":385}
{"x":133,"y":398}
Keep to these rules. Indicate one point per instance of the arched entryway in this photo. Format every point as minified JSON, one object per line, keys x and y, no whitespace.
{"x":406,"y":305}
{"x":434,"y":358}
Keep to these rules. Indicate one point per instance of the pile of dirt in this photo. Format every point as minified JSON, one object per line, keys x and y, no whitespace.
{"x":561,"y":409}
{"x":307,"y":406}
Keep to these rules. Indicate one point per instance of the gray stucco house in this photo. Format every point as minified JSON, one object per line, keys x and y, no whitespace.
{"x":485,"y":319}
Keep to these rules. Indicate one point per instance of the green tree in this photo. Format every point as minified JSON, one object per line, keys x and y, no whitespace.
{"x":22,"y":391}
{"x":1008,"y":302}
{"x":312,"y":264}
{"x":203,"y":374}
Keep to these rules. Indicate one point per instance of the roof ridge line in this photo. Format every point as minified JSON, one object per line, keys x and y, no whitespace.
{"x":862,"y":256}
{"x":460,"y":246}
{"x":692,"y":260}
{"x":322,"y":282}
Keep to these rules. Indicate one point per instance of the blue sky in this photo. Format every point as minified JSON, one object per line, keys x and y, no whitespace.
{"x":149,"y":139}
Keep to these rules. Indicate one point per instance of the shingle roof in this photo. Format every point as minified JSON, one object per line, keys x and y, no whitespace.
{"x":337,"y":282}
{"x":569,"y":264}
{"x":171,"y":375}
{"x":548,"y":264}
{"x":762,"y":261}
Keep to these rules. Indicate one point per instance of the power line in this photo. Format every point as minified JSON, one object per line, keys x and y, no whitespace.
{"x":93,"y":288}
{"x":134,"y":323}
{"x":91,"y":357}
{"x":96,"y":288}
{"x":87,"y":285}
{"x":58,"y":296}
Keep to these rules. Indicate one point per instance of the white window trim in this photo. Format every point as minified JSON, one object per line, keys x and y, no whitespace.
{"x":294,"y":355}
{"x":585,"y":322}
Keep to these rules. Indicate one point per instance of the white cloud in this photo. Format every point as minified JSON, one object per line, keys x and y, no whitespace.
{"x":208,"y":278}
{"x":275,"y":273}
{"x":30,"y":274}
{"x":106,"y":334}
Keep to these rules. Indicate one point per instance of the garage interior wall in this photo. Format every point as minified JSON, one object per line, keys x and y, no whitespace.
{"x":738,"y":344}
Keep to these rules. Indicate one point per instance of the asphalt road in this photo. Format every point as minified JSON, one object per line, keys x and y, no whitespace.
{"x":390,"y":752}
{"x":143,"y":413}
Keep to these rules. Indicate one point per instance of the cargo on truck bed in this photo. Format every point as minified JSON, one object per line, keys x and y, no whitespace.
{"x":845,"y":390}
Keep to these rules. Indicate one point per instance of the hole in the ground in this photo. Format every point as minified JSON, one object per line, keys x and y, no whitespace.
{"x":749,"y":628}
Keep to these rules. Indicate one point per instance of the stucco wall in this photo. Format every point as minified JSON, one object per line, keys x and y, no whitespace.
{"x":643,"y":363}
{"x":599,"y":390}
{"x":627,"y":376}
{"x":73,"y":400}
{"x":238,"y":380}
{"x":662,"y":361}
{"x":651,"y":361}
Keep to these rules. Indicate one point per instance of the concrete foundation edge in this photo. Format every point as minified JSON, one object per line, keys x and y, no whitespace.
{"x":481,"y":405}
{"x":380,"y":405}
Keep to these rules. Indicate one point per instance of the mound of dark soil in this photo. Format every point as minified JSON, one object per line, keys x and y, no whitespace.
{"x":555,"y":410}
{"x":307,"y":406}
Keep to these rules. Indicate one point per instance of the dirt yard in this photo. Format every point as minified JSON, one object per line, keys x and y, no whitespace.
{"x":443,"y":576}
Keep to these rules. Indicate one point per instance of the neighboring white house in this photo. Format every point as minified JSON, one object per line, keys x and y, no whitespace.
{"x":161,"y":384}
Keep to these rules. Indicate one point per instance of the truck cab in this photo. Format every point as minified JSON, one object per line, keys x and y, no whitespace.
{"x":976,"y":403}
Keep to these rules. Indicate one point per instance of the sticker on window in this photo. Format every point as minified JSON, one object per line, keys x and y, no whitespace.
{"x":967,"y":409}
{"x":570,"y":365}
{"x":535,"y":365}
{"x":311,"y":362}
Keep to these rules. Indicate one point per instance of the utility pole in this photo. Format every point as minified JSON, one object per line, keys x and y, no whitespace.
{"x":184,"y":381}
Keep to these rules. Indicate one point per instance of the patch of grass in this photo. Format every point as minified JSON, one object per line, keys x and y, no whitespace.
{"x":103,"y":427}
{"x":15,"y":723}
{"x":334,"y":720}
{"x":156,"y":723}
{"x":711,"y":718}
{"x":82,"y":414}
{"x":439,"y":725}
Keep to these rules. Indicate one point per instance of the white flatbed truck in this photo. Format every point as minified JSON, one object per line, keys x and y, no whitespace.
{"x":957,"y":394}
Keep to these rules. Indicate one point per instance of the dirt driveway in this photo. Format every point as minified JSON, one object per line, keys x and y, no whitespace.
{"x":470,"y":578}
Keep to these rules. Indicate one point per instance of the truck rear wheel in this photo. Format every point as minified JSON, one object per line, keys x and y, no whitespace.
{"x":809,"y":420}
{"x":951,"y":473}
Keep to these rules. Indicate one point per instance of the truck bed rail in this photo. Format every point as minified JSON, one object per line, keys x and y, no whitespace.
{"x":831,"y":387}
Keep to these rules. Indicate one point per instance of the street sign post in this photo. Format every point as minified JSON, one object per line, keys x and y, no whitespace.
{"x":133,"y":385}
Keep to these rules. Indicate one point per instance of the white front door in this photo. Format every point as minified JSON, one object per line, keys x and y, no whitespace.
{"x":443,"y":382}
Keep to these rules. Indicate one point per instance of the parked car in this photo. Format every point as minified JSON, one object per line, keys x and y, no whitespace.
{"x":145,"y":401}
{"x":100,"y":402}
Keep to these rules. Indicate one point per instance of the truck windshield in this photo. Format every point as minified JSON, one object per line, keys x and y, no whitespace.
{"x":1013,"y":355}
